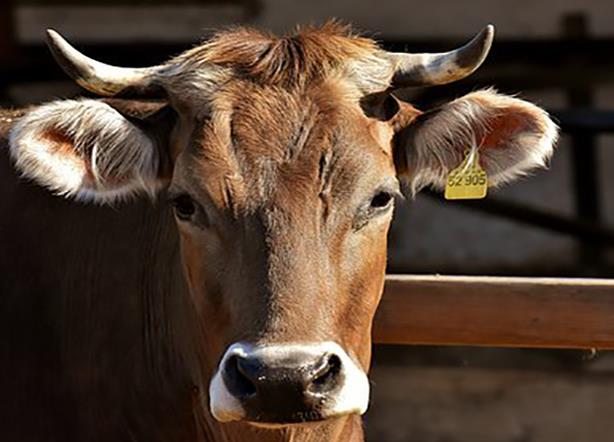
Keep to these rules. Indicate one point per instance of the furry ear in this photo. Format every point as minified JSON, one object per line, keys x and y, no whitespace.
{"x":85,"y":149}
{"x":511,"y":135}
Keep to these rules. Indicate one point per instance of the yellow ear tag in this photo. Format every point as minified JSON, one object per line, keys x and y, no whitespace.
{"x":467,"y":181}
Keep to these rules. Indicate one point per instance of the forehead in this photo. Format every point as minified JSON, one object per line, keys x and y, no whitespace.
{"x":266,"y":143}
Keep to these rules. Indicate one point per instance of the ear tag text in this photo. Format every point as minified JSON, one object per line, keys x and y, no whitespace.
{"x":467,"y":181}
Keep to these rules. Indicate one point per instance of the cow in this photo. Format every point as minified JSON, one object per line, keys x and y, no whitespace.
{"x":198,"y":253}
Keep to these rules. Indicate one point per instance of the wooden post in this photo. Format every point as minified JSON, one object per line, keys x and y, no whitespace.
{"x":8,"y":45}
{"x":7,"y":32}
{"x":584,"y":149}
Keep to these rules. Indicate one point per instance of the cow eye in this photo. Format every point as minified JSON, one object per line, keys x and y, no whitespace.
{"x":379,"y":204}
{"x":184,"y":207}
{"x":381,"y":200}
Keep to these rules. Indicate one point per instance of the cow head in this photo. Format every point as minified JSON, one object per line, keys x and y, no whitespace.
{"x":281,"y":158}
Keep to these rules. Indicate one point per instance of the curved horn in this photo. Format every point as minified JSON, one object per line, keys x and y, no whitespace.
{"x":97,"y":77}
{"x":441,"y":68}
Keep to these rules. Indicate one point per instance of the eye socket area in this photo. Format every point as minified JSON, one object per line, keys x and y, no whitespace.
{"x":183,"y":206}
{"x":382,"y":200}
{"x":383,"y":197}
{"x":379,"y":204}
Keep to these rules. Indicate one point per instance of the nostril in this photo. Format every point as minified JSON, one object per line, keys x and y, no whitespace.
{"x":237,"y":377}
{"x":325,"y":376}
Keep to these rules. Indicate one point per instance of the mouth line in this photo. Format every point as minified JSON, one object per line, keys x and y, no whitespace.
{"x":295,"y":419}
{"x":278,"y":425}
{"x":291,"y":419}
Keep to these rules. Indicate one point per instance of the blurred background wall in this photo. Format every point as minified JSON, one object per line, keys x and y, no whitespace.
{"x":400,"y":19}
{"x":558,"y":222}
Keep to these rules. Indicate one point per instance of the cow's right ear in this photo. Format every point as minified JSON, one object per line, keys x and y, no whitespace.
{"x":90,"y":150}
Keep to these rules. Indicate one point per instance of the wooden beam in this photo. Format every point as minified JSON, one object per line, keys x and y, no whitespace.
{"x":7,"y":35}
{"x":496,"y":312}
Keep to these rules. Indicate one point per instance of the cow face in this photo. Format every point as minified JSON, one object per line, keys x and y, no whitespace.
{"x":281,"y":158}
{"x":283,"y":201}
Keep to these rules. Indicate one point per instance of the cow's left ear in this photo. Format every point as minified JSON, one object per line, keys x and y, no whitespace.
{"x":512,"y":135}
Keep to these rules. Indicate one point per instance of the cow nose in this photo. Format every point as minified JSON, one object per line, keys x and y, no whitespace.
{"x":299,"y":377}
{"x":281,"y":384}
